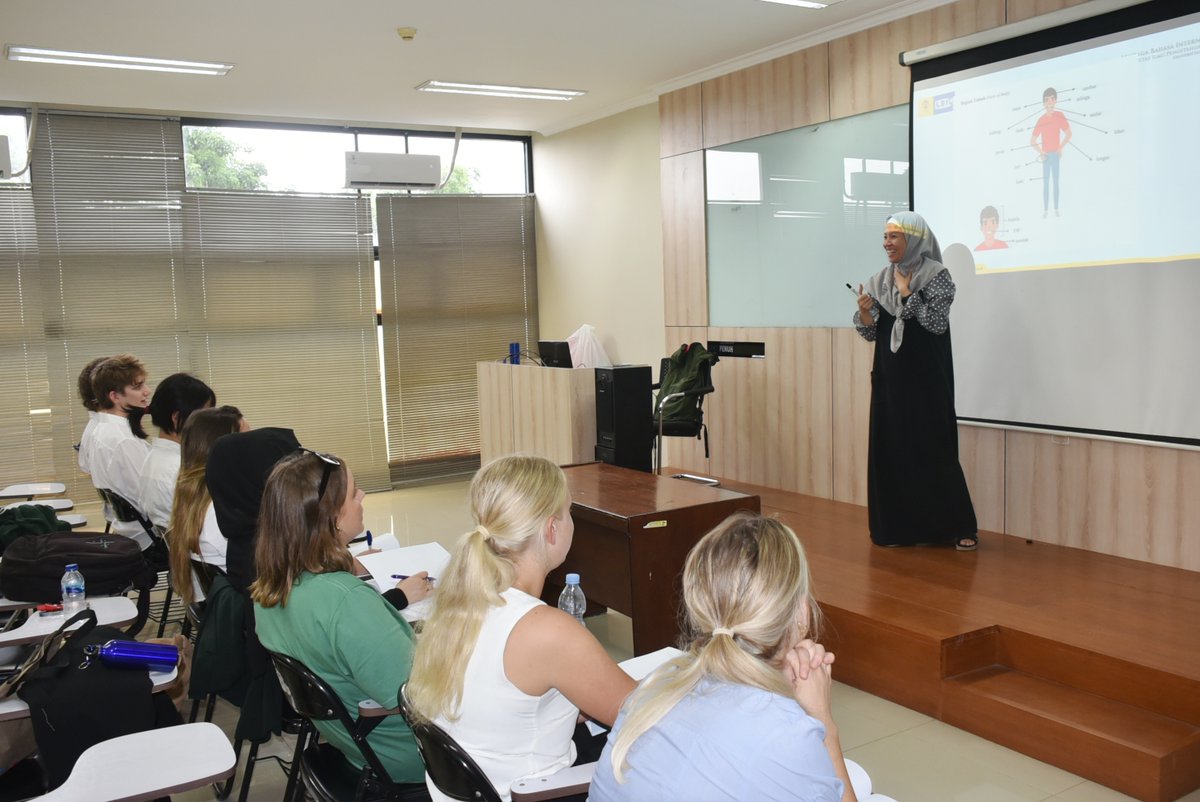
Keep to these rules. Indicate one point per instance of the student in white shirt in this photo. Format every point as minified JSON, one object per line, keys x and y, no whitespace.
{"x":175,"y":398}
{"x":110,"y":451}
{"x":88,"y":396}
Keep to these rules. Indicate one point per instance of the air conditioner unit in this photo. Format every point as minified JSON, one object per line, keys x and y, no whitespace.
{"x":392,"y":170}
{"x":5,"y":161}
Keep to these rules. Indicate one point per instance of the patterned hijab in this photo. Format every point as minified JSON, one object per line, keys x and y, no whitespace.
{"x":922,"y":261}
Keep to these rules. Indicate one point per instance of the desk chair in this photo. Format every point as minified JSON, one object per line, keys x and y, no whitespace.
{"x":323,"y":769}
{"x":148,"y":765}
{"x":684,"y":379}
{"x":126,"y":512}
{"x":458,"y":776}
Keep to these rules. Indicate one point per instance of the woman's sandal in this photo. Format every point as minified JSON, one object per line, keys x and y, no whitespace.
{"x":967,"y":543}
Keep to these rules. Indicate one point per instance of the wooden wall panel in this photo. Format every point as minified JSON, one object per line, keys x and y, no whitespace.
{"x":685,"y":263}
{"x":981,"y":453}
{"x":679,"y":128}
{"x":852,"y":357}
{"x":1123,"y":499}
{"x":1024,"y":9}
{"x":771,"y":420}
{"x":777,"y":95}
{"x":864,"y":68}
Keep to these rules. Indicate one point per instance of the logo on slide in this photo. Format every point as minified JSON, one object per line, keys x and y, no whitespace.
{"x":925,"y":107}
{"x":943,"y":103}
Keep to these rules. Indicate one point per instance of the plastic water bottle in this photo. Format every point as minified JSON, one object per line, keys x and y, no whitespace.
{"x":571,"y":601}
{"x":74,"y":595}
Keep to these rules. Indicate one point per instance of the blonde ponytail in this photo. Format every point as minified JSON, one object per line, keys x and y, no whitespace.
{"x":745,"y":589}
{"x":511,"y":499}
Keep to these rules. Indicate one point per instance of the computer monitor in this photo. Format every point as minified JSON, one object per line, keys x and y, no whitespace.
{"x":555,"y":353}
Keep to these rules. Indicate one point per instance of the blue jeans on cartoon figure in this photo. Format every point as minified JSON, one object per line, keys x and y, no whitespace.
{"x":1050,"y":171}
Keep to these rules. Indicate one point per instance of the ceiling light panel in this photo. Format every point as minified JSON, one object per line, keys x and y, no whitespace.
{"x":48,"y":56}
{"x":498,"y":90}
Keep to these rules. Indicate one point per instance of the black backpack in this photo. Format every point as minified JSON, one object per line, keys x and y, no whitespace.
{"x":33,"y":566}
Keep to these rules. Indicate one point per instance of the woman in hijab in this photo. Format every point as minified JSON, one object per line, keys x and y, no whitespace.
{"x":916,"y":492}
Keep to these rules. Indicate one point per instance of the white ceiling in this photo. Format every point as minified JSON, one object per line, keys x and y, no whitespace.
{"x":342,"y":62}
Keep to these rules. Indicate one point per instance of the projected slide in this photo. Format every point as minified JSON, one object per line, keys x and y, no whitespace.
{"x":1067,"y":158}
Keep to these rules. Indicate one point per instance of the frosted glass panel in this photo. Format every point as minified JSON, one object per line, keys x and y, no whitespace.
{"x":795,"y":216}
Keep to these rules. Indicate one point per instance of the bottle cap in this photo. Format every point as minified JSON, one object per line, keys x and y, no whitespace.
{"x":572,"y":579}
{"x":73,"y":567}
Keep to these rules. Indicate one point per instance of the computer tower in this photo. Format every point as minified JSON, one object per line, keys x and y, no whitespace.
{"x":624,"y":416}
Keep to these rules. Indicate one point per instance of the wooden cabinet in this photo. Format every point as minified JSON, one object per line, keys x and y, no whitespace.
{"x":529,"y":409}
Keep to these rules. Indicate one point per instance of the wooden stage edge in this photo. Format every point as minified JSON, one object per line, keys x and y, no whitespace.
{"x":1085,"y":661}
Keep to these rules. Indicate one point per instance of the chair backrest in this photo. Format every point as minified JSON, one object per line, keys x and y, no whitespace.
{"x":314,"y":699}
{"x":205,"y":573}
{"x":126,"y":512}
{"x":687,"y":371}
{"x":452,"y":770}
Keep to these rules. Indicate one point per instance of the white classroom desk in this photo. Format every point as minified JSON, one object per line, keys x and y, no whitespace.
{"x":112,"y":611}
{"x":148,"y":765}
{"x":30,"y":489}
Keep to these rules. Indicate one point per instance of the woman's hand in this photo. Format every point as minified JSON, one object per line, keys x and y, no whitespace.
{"x":865,"y":304}
{"x":807,"y":669}
{"x":416,"y":587}
{"x":902,"y":282}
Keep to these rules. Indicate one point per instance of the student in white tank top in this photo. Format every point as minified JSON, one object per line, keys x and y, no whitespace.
{"x":503,"y":673}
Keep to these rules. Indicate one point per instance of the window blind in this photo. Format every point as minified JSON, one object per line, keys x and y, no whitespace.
{"x":106,"y":196}
{"x":270,"y":300}
{"x":458,"y":276}
{"x":286,"y":315}
{"x":24,"y":401}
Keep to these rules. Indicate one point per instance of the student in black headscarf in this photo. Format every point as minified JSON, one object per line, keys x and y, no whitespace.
{"x":916,"y":492}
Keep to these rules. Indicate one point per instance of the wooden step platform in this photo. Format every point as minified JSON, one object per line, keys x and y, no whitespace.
{"x":1082,"y":660}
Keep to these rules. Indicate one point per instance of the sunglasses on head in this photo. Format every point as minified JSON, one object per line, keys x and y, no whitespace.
{"x":329,"y":464}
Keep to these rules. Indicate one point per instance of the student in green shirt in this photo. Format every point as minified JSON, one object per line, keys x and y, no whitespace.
{"x":309,"y":605}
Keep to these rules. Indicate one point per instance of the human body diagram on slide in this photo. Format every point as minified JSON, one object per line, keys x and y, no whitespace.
{"x":1060,"y":144}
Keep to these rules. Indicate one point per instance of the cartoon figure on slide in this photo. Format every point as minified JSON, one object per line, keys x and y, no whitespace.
{"x":989,"y":221}
{"x":1054,"y":132}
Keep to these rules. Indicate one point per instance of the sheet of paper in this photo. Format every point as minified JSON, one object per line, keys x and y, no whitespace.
{"x":385,"y":566}
{"x":639,"y":668}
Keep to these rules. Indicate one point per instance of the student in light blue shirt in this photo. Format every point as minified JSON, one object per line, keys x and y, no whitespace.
{"x":745,"y":712}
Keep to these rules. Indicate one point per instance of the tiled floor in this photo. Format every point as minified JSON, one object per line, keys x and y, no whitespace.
{"x":909,"y":756}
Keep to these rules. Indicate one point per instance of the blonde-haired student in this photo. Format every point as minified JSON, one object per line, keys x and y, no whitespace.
{"x":745,"y":712}
{"x":502,"y":672}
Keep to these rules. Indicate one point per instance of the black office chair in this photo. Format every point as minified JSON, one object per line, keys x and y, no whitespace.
{"x":323,"y":769}
{"x":458,"y":776}
{"x":684,"y":379}
{"x":452,"y":770}
{"x":156,"y":554}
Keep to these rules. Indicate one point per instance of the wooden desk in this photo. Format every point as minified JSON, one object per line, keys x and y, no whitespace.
{"x":633,"y":531}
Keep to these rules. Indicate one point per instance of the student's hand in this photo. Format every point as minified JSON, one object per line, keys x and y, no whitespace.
{"x":807,"y":667}
{"x":865,"y":304}
{"x":902,"y":282}
{"x":416,"y":587}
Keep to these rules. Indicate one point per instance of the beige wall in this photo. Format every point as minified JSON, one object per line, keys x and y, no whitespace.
{"x":599,"y":234}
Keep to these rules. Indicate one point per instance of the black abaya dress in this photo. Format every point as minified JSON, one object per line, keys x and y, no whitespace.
{"x":916,"y":491}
